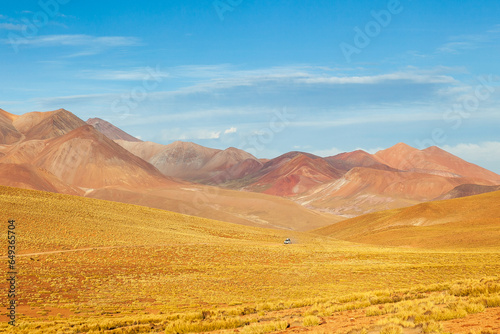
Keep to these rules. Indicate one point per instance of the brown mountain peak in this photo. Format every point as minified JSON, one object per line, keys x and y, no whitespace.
{"x":111,"y":131}
{"x":86,"y":158}
{"x":86,"y":132}
{"x":400,"y":156}
{"x":46,"y":125}
{"x":61,"y":110}
{"x":401,"y":147}
{"x":233,"y":151}
{"x":351,"y":155}
{"x":435,"y":149}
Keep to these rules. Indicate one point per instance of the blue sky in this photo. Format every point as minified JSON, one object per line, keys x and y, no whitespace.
{"x":265,"y":76}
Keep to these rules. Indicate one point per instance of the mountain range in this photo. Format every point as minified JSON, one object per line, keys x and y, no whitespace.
{"x":58,"y":152}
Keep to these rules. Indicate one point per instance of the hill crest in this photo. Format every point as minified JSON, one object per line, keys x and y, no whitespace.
{"x":111,"y":131}
{"x":466,"y":222}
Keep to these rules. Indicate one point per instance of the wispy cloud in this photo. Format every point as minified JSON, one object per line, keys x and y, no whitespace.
{"x":90,"y":44}
{"x":213,"y":79}
{"x":461,"y":43}
{"x":204,"y":78}
{"x":456,"y":47}
{"x":12,"y":26}
{"x":134,"y":74}
{"x":190,"y":134}
{"x":224,"y":91}
{"x":328,"y":152}
{"x":76,"y":99}
{"x":80,"y":40}
{"x":375,"y":79}
{"x":385,"y":117}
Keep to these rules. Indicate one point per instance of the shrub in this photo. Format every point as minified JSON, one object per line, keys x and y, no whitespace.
{"x":311,"y":320}
{"x":265,"y":328}
{"x":391,"y":329}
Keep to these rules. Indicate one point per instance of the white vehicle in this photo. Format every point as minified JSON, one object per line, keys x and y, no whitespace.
{"x":288,"y":241}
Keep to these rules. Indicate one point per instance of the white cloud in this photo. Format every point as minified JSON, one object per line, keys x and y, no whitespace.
{"x":328,"y":152}
{"x":372,"y":150}
{"x":231,"y":130}
{"x":91,"y":44}
{"x":485,"y":154}
{"x":471,"y":41}
{"x":212,"y":82}
{"x":209,"y":135}
{"x":135,"y":74}
{"x":193,"y":134}
{"x":302,"y":147}
{"x":12,"y":26}
{"x":455,"y":47}
{"x":370,"y":80}
{"x":79,"y":40}
{"x":223,"y":76}
{"x":382,"y":116}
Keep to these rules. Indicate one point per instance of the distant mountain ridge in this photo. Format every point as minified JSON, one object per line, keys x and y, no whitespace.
{"x":56,"y":151}
{"x":190,"y":161}
{"x":432,"y":160}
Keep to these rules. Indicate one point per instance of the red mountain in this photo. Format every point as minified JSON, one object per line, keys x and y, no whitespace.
{"x":293,"y":173}
{"x":244,"y":169}
{"x":363,"y":190}
{"x":56,"y":151}
{"x":433,"y":160}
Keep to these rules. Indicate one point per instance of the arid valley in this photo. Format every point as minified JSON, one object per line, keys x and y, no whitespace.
{"x":116,"y":235}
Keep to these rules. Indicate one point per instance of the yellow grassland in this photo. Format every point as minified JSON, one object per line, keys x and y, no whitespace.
{"x":92,"y":266}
